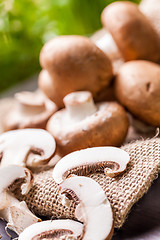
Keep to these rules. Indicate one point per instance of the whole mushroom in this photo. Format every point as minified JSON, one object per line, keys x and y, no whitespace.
{"x":26,"y":147}
{"x":152,"y":10}
{"x":84,"y":124}
{"x":73,"y":63}
{"x":137,"y":87}
{"x":132,"y":31}
{"x":14,"y":212}
{"x":30,"y":110}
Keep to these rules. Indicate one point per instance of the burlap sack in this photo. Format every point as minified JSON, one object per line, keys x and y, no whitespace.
{"x":122,"y":191}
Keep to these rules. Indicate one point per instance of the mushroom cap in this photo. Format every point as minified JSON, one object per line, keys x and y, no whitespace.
{"x":152,"y":9}
{"x":132,"y":31}
{"x":107,"y":126}
{"x":51,"y":229}
{"x":113,"y":160}
{"x":137,"y":87}
{"x":26,"y":147}
{"x":74,"y":63}
{"x":93,"y":207}
{"x":31,"y":110}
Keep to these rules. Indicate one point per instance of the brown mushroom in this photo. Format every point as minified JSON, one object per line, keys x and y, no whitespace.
{"x":151,"y":8}
{"x":83,"y":124}
{"x":137,"y":87}
{"x":73,"y":63}
{"x":30,"y":110}
{"x":132,"y":31}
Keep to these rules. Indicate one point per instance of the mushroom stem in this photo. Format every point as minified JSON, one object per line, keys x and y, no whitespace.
{"x":17,"y":215}
{"x":14,"y":212}
{"x":79,"y":105}
{"x":30,"y":103}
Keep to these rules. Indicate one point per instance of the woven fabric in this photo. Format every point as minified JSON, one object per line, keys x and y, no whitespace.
{"x":122,"y":191}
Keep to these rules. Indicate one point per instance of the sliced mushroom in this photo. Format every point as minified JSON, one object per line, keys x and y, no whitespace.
{"x":26,"y":147}
{"x":93,"y":208}
{"x":14,"y":212}
{"x":31,"y":109}
{"x":56,"y":229}
{"x":110,"y":159}
{"x":83,"y":124}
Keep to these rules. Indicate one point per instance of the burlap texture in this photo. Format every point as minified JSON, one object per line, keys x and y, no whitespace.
{"x":122,"y":191}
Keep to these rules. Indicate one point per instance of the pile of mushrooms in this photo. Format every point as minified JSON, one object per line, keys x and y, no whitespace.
{"x":93,"y":210}
{"x":119,"y":63}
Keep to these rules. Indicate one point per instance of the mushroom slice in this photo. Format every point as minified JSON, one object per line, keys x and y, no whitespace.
{"x":93,"y":208}
{"x":26,"y":147}
{"x":14,"y":212}
{"x":56,"y":229}
{"x":113,"y":160}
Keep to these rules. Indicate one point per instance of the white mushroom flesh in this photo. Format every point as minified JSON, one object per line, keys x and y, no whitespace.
{"x":108,"y":45}
{"x":14,"y":212}
{"x":26,"y":147}
{"x":93,"y":208}
{"x":56,"y":229}
{"x":18,"y":215}
{"x":7,"y":177}
{"x":79,"y":105}
{"x":110,"y":159}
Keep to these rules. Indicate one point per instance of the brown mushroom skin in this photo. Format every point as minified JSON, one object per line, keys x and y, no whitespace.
{"x":151,"y":9}
{"x":108,"y":127}
{"x":137,"y":87}
{"x":132,"y":31}
{"x":74,"y":63}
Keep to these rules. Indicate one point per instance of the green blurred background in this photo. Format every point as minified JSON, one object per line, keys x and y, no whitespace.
{"x":25,"y":25}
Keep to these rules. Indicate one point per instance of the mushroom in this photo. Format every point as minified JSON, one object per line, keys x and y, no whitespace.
{"x":132,"y":31}
{"x":110,"y":159}
{"x":53,"y":229}
{"x":73,"y":63}
{"x":30,"y":110}
{"x":14,"y":212}
{"x":93,"y":207}
{"x":152,"y":10}
{"x":104,"y":40}
{"x":83,"y":124}
{"x":137,"y":87}
{"x":26,"y":147}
